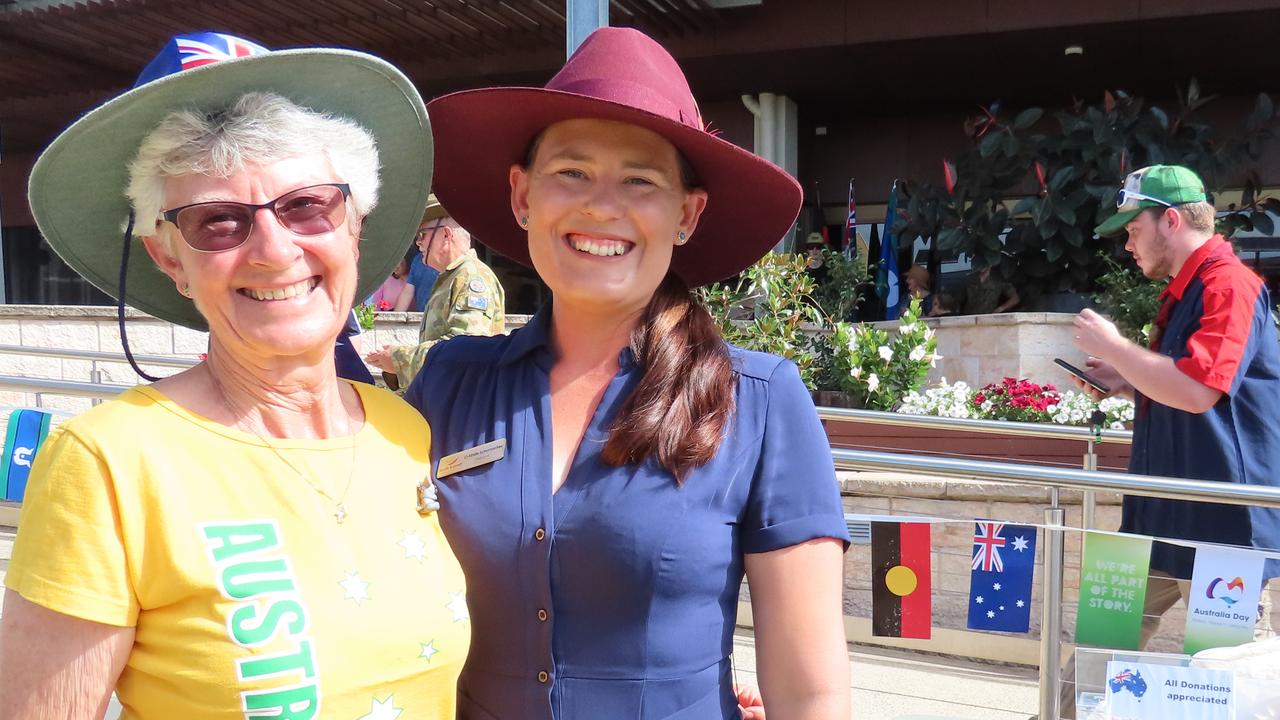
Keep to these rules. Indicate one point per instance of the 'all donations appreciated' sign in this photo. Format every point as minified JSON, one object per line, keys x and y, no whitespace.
{"x":1138,"y":691}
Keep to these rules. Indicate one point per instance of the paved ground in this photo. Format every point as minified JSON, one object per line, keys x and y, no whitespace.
{"x":887,"y":684}
{"x":900,"y":685}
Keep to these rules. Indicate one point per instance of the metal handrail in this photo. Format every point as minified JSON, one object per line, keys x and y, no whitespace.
{"x":96,"y":356}
{"x":1147,"y":485}
{"x":1052,"y":579}
{"x":97,"y":391}
{"x":1001,"y":427}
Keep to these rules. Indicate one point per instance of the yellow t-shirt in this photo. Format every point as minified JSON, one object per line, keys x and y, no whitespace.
{"x":248,"y":598}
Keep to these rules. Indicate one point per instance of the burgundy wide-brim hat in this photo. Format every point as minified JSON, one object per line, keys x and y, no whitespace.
{"x":616,"y":74}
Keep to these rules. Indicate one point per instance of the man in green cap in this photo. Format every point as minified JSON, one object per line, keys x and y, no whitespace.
{"x":1207,"y":389}
{"x":465,"y":300}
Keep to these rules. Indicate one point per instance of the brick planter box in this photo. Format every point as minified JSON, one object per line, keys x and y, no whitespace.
{"x":862,"y":435}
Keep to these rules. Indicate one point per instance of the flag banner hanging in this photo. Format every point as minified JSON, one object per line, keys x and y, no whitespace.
{"x":873,"y":247}
{"x":1222,"y":608}
{"x":901,"y":602}
{"x":851,"y":226}
{"x":1004,"y":559}
{"x":1113,"y":589}
{"x":27,"y":430}
{"x":887,"y":276}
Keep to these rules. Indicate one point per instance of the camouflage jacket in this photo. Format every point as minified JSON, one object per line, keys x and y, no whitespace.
{"x":466,"y":300}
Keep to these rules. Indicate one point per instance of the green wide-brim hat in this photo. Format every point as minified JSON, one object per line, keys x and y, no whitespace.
{"x":77,"y":189}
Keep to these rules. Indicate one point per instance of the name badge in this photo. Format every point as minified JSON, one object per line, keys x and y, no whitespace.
{"x":472,"y":457}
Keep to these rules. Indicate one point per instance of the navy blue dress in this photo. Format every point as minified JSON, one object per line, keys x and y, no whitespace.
{"x":616,"y":597}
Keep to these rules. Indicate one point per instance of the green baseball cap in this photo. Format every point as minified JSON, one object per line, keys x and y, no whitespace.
{"x":1152,"y":186}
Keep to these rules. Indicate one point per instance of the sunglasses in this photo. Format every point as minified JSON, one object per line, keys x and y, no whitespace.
{"x":1130,"y":199}
{"x":219,"y":226}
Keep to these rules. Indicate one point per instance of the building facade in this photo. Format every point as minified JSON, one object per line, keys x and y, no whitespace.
{"x":867,"y":90}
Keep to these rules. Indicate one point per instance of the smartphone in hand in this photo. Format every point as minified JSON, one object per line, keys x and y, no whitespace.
{"x":1091,"y":380}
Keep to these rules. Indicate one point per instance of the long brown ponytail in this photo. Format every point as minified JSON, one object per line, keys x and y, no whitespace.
{"x":686,"y":395}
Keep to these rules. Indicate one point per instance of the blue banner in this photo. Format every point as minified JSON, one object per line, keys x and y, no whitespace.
{"x":27,"y":430}
{"x":887,"y":277}
{"x":1004,"y":558}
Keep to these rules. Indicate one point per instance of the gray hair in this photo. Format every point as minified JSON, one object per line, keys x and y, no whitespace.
{"x":257,"y":128}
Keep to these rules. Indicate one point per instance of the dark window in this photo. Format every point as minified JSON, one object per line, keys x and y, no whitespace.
{"x":35,"y":275}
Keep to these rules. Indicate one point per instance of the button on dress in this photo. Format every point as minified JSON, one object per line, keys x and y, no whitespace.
{"x":616,"y":596}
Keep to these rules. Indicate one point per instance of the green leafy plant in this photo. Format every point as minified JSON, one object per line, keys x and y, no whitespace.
{"x":770,"y":308}
{"x":842,"y":291}
{"x":1044,"y":242}
{"x":1129,"y":298}
{"x":365,"y":315}
{"x":877,"y":368}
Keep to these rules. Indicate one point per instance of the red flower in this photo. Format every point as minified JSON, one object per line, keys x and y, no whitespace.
{"x":384,"y":305}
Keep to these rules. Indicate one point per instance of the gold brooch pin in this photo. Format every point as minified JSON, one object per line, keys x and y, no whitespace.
{"x":428,"y":500}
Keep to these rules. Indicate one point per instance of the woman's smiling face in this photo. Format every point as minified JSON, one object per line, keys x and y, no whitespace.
{"x":605,"y":203}
{"x":279,"y":293}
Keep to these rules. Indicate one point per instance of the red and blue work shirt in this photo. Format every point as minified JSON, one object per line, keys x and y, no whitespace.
{"x":1217,"y":326}
{"x":616,"y":596}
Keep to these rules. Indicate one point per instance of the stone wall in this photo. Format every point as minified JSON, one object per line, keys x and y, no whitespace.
{"x":977,"y":349}
{"x":95,"y":328}
{"x":980,"y":349}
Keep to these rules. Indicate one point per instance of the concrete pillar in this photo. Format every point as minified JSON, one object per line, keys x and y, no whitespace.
{"x":4,"y":290}
{"x":777,"y":138}
{"x":583,"y":17}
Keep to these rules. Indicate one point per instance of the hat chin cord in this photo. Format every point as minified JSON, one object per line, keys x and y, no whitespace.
{"x":124,"y":274}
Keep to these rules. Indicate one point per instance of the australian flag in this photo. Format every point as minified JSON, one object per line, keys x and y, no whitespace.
{"x":1000,"y":584}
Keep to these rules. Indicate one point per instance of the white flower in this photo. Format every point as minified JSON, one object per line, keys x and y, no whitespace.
{"x":856,"y":372}
{"x":873,"y":382}
{"x":885,"y":353}
{"x":906,"y":328}
{"x":917,"y":353}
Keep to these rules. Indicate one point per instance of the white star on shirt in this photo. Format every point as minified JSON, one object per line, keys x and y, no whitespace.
{"x":1020,"y":603}
{"x":428,"y":650}
{"x":995,"y":586}
{"x":990,"y":614}
{"x":357,"y":589}
{"x":979,"y":599}
{"x":458,"y":606}
{"x":383,"y":710}
{"x":1020,"y":544}
{"x":413,"y":546}
{"x":1002,"y":608}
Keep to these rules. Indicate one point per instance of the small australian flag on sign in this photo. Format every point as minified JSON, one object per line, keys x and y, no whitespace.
{"x":1000,"y":584}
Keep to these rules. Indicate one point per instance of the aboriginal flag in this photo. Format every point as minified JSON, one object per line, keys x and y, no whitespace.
{"x":900,"y":584}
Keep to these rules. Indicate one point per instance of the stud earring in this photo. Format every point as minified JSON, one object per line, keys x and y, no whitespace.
{"x":524,"y":221}
{"x":681,"y":238}
{"x":184,"y":290}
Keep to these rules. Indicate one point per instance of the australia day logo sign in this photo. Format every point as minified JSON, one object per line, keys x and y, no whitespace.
{"x":1223,"y":601}
{"x":1229,"y":593}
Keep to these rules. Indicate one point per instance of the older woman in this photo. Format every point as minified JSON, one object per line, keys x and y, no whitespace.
{"x":243,"y":539}
{"x":608,"y":472}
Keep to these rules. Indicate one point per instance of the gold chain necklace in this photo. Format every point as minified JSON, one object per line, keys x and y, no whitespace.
{"x":339,"y":506}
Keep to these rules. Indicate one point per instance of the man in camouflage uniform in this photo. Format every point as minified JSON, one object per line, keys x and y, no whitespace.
{"x":465,"y":300}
